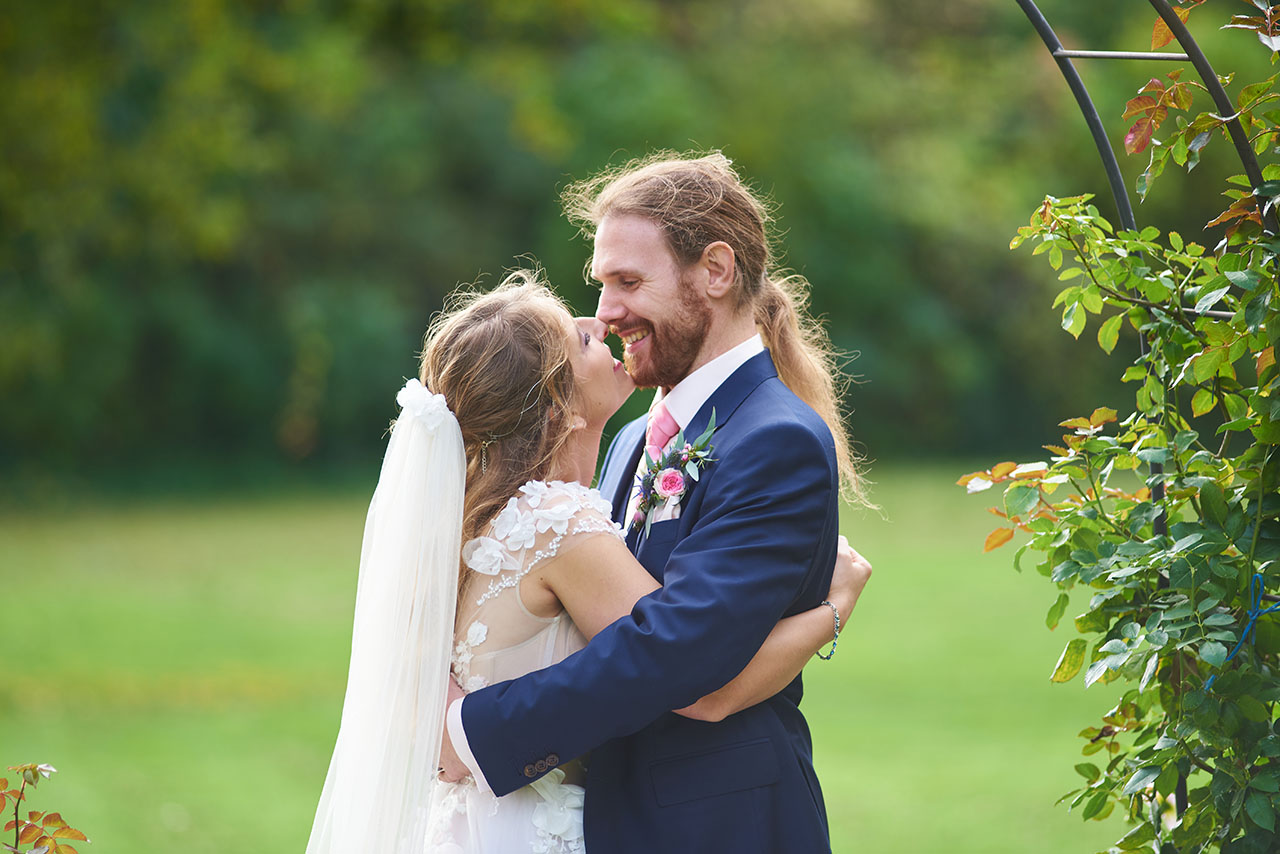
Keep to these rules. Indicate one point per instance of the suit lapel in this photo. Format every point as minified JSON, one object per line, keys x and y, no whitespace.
{"x":726,"y":399}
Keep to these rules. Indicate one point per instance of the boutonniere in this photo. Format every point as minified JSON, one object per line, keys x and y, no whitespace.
{"x":666,"y":479}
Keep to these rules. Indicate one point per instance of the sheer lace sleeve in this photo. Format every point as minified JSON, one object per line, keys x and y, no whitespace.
{"x":544,"y":520}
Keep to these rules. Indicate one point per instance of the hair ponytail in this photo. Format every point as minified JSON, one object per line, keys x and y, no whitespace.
{"x":808,"y":365}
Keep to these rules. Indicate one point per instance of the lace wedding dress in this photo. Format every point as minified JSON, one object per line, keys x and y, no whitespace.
{"x":497,"y":638}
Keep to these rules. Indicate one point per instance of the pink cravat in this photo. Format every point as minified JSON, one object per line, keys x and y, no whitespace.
{"x":662,"y":427}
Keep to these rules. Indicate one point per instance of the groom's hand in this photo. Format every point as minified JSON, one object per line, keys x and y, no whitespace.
{"x":452,"y":768}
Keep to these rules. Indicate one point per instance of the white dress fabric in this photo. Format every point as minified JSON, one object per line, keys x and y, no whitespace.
{"x":498,"y":638}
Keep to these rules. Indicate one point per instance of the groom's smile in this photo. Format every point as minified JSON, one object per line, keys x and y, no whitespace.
{"x":644,"y":299}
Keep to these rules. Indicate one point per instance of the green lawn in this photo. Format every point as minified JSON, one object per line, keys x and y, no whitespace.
{"x":182,"y":665}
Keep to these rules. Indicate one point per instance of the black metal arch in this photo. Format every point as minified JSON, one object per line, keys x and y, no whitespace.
{"x":1119,"y":192}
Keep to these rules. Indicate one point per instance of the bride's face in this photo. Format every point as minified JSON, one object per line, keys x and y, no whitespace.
{"x":602,"y":383}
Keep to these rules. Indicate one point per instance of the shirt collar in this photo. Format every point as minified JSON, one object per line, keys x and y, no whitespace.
{"x":687,"y":396}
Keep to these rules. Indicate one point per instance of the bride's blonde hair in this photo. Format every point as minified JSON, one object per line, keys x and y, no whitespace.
{"x":501,"y":361}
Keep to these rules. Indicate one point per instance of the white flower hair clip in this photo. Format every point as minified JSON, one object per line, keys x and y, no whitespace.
{"x":416,"y":400}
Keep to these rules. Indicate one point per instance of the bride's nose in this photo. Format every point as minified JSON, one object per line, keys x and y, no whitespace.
{"x":598,"y":328}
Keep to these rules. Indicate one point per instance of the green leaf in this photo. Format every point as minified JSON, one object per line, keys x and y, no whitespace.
{"x":1109,"y":333}
{"x":1056,"y":610}
{"x":691,"y":469}
{"x":1214,"y":503}
{"x":1091,"y":299}
{"x":1267,"y":433}
{"x":1095,"y":805}
{"x":1070,"y":662}
{"x":1210,"y":299}
{"x":1136,"y":838}
{"x":1258,"y":806}
{"x":1020,"y":499}
{"x":1207,"y":363}
{"x":1202,"y":402}
{"x":1073,"y":319}
{"x":1244,"y":279}
{"x":1141,"y":778}
{"x":1213,"y":653}
{"x":706,"y":434}
{"x":1152,"y":664}
{"x":1089,"y":771}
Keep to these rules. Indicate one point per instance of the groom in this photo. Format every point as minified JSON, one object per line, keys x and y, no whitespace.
{"x":684,"y":266}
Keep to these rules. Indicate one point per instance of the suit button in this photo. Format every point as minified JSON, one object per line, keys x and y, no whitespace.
{"x":553,"y":760}
{"x":529,"y":771}
{"x":540,"y":766}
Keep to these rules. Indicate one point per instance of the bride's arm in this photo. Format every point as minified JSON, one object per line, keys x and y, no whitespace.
{"x":791,"y":644}
{"x":599,"y":581}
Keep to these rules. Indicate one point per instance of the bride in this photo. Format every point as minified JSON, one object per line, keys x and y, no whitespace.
{"x":486,"y":556}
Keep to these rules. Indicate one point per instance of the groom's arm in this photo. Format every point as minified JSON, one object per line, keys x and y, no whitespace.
{"x":767,"y":523}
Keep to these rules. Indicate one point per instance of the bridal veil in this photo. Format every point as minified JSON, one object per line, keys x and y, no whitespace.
{"x":376,"y":794}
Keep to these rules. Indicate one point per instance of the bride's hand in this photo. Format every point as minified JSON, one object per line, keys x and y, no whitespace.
{"x":849,"y":577}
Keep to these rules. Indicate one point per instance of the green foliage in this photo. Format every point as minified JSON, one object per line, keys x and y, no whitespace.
{"x":1170,"y":514}
{"x":46,"y":832}
{"x":226,"y":225}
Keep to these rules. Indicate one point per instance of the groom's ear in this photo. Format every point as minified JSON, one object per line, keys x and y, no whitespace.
{"x":718,"y":261}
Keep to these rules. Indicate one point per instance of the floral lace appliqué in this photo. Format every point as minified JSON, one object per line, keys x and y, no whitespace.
{"x":515,"y":530}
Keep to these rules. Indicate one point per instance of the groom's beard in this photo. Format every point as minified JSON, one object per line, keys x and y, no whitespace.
{"x":675,"y":342}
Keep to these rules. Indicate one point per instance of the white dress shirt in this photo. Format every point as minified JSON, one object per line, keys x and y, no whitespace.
{"x":683,"y":402}
{"x":688,"y":396}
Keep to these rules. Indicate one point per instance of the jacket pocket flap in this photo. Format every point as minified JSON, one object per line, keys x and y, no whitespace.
{"x":716,"y":772}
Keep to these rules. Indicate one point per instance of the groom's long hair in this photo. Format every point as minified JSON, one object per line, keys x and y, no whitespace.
{"x":698,"y":200}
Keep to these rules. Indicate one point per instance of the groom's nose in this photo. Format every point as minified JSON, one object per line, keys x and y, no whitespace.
{"x":609,"y":309}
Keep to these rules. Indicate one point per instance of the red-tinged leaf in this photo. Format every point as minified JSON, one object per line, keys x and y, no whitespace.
{"x":1236,"y":211}
{"x":997,"y":538}
{"x":29,"y":833}
{"x":53,"y":819}
{"x":997,"y":511}
{"x":1056,"y":449}
{"x":69,"y":833}
{"x":10,"y":825}
{"x":1142,"y":105}
{"x":1102,"y":415}
{"x":1161,"y":35}
{"x":1139,"y":136}
{"x":1266,"y":359}
{"x":970,"y":476}
{"x":1081,"y":423}
{"x":64,"y":849}
{"x":999,"y":471}
{"x":35,"y":815}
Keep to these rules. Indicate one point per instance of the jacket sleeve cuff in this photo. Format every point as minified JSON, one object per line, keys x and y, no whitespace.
{"x":458,"y":735}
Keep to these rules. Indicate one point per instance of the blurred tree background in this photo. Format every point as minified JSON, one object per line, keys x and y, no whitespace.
{"x":225,"y":225}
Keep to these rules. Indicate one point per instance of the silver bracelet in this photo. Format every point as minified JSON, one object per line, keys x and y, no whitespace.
{"x":836,"y":613}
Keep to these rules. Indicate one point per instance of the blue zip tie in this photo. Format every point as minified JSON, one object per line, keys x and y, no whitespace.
{"x":1255,"y":611}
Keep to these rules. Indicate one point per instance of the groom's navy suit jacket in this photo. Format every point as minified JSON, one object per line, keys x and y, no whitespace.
{"x":755,"y":541}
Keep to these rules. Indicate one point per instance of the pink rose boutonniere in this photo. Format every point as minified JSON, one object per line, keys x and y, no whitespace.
{"x":668,"y":478}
